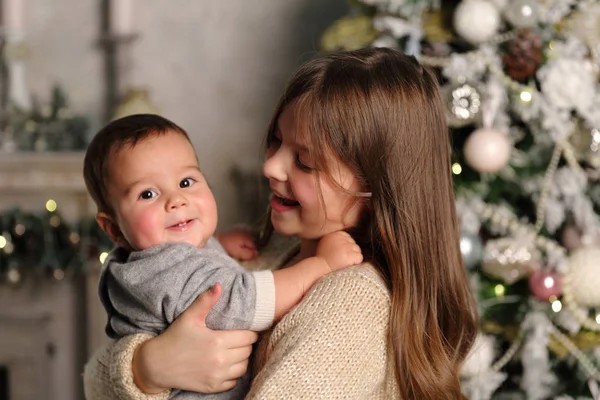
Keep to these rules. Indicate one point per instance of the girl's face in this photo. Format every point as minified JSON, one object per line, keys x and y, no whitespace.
{"x":306,"y":203}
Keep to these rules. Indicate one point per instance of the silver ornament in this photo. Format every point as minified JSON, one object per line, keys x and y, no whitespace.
{"x":471,"y":249}
{"x":522,"y":13}
{"x":509,"y":260}
{"x":586,"y":145}
{"x":463,"y":103}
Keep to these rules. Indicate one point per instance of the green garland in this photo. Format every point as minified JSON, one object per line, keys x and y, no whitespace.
{"x":43,"y":245}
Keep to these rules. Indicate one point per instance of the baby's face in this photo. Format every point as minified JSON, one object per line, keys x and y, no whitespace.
{"x":159,"y":194}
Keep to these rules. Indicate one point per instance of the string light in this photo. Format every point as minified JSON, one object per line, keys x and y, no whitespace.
{"x":499,"y":290}
{"x":456,"y":169}
{"x":526,"y":96}
{"x":59,"y":274}
{"x":51,"y":205}
{"x":55,"y":221}
{"x":2,"y":242}
{"x":556,"y":306}
{"x":20,"y":229}
{"x":598,"y":318}
{"x":74,"y":237}
{"x":102,"y":257}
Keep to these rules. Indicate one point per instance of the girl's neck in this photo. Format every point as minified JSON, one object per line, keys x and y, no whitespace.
{"x":308,"y":248}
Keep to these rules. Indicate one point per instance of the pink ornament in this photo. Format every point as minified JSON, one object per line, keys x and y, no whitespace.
{"x":571,"y":238}
{"x":545,"y":284}
{"x":487,"y":150}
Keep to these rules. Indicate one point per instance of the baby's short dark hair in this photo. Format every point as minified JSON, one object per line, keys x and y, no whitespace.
{"x":126,"y":131}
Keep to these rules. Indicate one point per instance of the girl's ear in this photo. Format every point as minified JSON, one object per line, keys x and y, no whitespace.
{"x":111,"y":228}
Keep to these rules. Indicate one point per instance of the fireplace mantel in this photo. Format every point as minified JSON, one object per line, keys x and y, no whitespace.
{"x":48,"y":328}
{"x":27,"y":180}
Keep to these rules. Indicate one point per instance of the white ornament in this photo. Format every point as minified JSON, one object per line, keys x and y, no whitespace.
{"x":567,"y":84}
{"x":583,"y":277}
{"x":476,"y":20}
{"x":480,"y":357}
{"x":487,"y":150}
{"x":522,"y":13}
{"x":583,"y":24}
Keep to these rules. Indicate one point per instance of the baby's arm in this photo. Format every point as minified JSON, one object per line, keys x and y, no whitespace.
{"x":334,"y":252}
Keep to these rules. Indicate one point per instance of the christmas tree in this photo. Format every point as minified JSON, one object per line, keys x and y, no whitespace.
{"x":520,"y":81}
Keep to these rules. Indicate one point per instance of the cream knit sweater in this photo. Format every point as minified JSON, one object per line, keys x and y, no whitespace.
{"x":331,"y":346}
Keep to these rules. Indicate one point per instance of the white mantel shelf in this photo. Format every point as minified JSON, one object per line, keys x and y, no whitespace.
{"x":29,"y":179}
{"x":35,"y":171}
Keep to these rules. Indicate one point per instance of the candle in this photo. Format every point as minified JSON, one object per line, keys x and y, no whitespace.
{"x":13,"y":15}
{"x":121,"y":17}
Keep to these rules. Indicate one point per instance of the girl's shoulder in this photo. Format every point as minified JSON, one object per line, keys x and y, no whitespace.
{"x":364,"y":272}
{"x":355,"y":283}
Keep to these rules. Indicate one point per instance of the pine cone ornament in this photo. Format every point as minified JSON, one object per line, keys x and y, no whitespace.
{"x":523,"y":55}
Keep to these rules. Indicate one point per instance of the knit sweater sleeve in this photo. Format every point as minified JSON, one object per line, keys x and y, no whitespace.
{"x":108,"y":374}
{"x":332,"y":345}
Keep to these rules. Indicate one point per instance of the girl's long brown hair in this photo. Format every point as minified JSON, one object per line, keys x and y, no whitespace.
{"x":380,"y":112}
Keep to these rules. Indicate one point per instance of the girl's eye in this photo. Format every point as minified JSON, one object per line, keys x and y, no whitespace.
{"x":148,"y":194}
{"x":187,"y":182}
{"x":302,"y":166}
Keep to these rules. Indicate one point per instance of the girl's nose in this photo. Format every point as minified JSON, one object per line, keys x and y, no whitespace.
{"x":275,"y":166}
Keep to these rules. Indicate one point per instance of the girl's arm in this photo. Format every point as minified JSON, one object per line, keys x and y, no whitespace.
{"x":186,"y":356}
{"x":332,"y":345}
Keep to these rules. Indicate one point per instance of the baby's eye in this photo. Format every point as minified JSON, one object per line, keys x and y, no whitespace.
{"x":187,"y":182}
{"x":148,"y":194}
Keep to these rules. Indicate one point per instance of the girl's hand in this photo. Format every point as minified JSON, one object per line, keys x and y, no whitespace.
{"x":238,"y":243}
{"x":189,"y":356}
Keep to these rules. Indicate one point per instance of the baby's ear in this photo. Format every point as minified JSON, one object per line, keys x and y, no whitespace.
{"x":111,"y":228}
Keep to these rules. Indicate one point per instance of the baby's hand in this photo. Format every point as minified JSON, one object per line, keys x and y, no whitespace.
{"x":339,"y":250}
{"x":239,"y":244}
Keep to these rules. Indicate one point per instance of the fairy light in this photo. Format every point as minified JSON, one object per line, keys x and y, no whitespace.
{"x":74,"y":237}
{"x":20,"y":229}
{"x":51,"y":205}
{"x":598,"y":318}
{"x":102,"y":257}
{"x":59,"y":274}
{"x":499,"y":290}
{"x":456,"y":169}
{"x":526,"y":96}
{"x":2,"y":242}
{"x":55,"y":221}
{"x":556,"y":306}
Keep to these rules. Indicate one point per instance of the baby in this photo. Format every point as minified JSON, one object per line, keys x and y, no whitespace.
{"x":156,"y":206}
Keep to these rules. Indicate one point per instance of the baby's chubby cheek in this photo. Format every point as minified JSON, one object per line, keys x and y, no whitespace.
{"x":145,"y":230}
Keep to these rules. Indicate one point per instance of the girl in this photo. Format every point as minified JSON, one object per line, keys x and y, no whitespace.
{"x":358,"y":142}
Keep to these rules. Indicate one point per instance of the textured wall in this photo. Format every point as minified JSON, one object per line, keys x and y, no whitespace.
{"x":215,"y":67}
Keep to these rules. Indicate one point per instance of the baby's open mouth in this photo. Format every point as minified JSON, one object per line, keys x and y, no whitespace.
{"x":181,"y":224}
